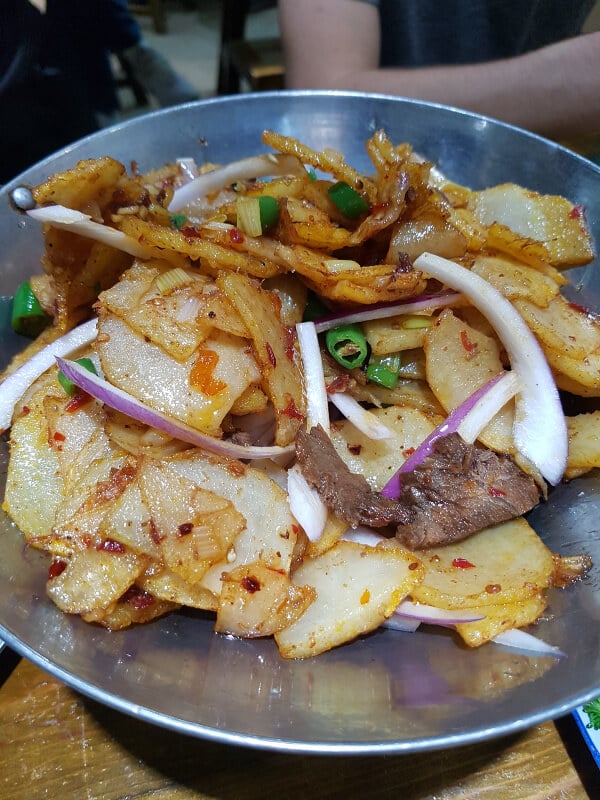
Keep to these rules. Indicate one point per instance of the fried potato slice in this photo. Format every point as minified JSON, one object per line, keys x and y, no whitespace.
{"x":501,"y":617}
{"x":89,"y":182}
{"x":458,"y":360}
{"x":549,"y":220}
{"x":584,"y":443}
{"x":273,"y":349}
{"x":506,"y":563}
{"x":357,"y":588}
{"x":257,"y":600}
{"x":169,"y":586}
{"x":303,"y":223}
{"x":516,"y":281}
{"x":393,"y":334}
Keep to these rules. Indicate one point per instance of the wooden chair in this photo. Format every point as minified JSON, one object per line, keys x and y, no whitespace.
{"x":255,"y":62}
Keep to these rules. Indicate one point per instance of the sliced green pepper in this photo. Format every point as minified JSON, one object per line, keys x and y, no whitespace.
{"x":28,"y":317}
{"x":385,"y":370}
{"x":348,"y":345}
{"x":348,"y":200}
{"x":69,"y":387}
{"x":269,"y":211}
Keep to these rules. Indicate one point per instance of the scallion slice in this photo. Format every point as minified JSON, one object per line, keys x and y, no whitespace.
{"x":348,"y":200}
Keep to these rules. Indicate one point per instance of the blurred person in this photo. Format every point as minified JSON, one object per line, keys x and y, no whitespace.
{"x":56,"y":76}
{"x":522,"y":61}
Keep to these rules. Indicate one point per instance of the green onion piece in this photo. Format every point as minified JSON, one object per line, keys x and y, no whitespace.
{"x":178,"y":221}
{"x":312,"y":175}
{"x":416,"y":321}
{"x":269,"y":211}
{"x":348,"y":345}
{"x":314,"y":309}
{"x":248,"y":215}
{"x":68,"y":385}
{"x":348,"y":200}
{"x":385,"y":370}
{"x":28,"y":317}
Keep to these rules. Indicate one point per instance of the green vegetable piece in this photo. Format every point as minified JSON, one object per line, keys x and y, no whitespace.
{"x":385,"y":370}
{"x":178,"y":221}
{"x":69,"y":387}
{"x":314,"y":309}
{"x":269,"y":211}
{"x":348,"y":200}
{"x":592,"y":709}
{"x":348,"y":345}
{"x":312,"y":175}
{"x":28,"y":317}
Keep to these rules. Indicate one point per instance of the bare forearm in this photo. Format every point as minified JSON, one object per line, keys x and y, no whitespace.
{"x":553,"y":91}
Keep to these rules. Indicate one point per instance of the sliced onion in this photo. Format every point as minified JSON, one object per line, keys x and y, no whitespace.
{"x":540,"y":430}
{"x":363,"y":535}
{"x":306,"y":505}
{"x":245,"y":169}
{"x":128,"y":404}
{"x":16,"y":384}
{"x":364,"y":420}
{"x":383,"y":310}
{"x":317,"y":409}
{"x":521,"y":640}
{"x":436,"y":616}
{"x":398,"y":623}
{"x":457,"y":419}
{"x":188,"y":168}
{"x":498,"y":393}
{"x":75,"y":221}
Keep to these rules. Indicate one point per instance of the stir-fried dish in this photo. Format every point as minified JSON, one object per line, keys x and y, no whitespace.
{"x":309,"y":400}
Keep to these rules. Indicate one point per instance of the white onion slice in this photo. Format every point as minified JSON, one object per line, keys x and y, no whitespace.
{"x":245,"y":169}
{"x":460,"y":417}
{"x":540,"y":430}
{"x":317,"y":409}
{"x":521,"y":640}
{"x":403,"y":624}
{"x":16,"y":384}
{"x":188,"y":168}
{"x":499,"y":392}
{"x":363,"y":535}
{"x":364,"y":420}
{"x":305,"y":504}
{"x":436,"y":616}
{"x":128,"y":404}
{"x":383,"y":310}
{"x":75,"y":221}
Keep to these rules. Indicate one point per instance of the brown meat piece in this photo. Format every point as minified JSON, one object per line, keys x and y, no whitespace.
{"x":348,"y":495}
{"x":459,"y":490}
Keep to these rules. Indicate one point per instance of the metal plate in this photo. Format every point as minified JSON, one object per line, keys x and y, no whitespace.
{"x":388,"y":692}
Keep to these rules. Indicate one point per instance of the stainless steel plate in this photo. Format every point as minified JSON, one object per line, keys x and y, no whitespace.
{"x":388,"y":692}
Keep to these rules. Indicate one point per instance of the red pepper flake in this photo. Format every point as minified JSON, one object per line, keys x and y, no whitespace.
{"x":155,"y":534}
{"x":291,"y":409}
{"x":468,"y":345}
{"x":56,"y":568}
{"x":111,"y":546}
{"x":185,"y":529}
{"x":409,"y":451}
{"x":493,"y":588}
{"x":138,"y":598}
{"x":190,"y":233}
{"x":413,"y":565}
{"x":236,"y":236}
{"x":462,"y":563}
{"x":493,"y":492}
{"x":355,"y":449}
{"x":201,"y":374}
{"x":250,"y":584}
{"x":339,"y":384}
{"x":59,"y":437}
{"x":79,"y":400}
{"x":295,"y":529}
{"x":25,"y":410}
{"x":271,"y":355}
{"x":577,"y":212}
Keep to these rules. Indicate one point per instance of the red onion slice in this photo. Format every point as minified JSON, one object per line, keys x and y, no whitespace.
{"x":128,"y":404}
{"x":452,"y":424}
{"x":383,"y":310}
{"x":16,"y":384}
{"x":540,"y":429}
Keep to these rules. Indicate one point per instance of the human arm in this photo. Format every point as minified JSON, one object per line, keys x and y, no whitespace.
{"x":335,"y":44}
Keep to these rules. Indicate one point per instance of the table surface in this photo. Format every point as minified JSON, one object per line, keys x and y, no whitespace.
{"x":56,"y":743}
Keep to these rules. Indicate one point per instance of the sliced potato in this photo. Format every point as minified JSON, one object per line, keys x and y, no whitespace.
{"x":357,"y":588}
{"x":516,"y":281}
{"x":584,"y":443}
{"x":507,"y":563}
{"x":501,"y":617}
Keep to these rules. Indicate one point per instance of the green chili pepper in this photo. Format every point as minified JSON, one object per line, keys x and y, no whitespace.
{"x":178,"y":221}
{"x":269,"y":211}
{"x":348,"y":200}
{"x":28,"y":317}
{"x":348,"y":345}
{"x":68,"y":385}
{"x":385,"y":370}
